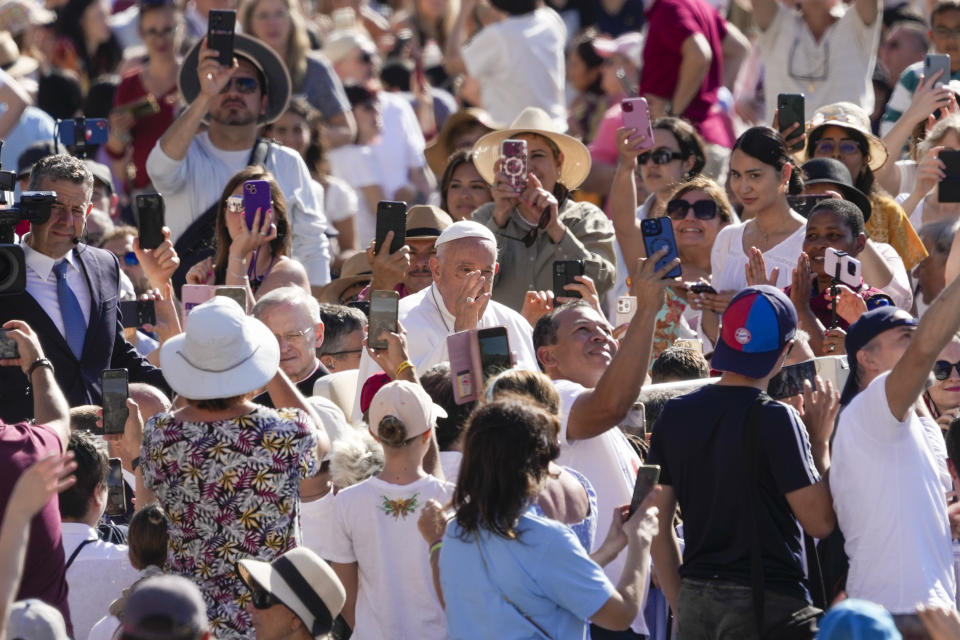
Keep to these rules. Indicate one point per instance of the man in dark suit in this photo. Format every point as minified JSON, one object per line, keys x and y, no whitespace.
{"x":71,"y":298}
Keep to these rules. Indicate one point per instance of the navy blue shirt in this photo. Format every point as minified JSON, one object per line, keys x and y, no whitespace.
{"x":700,"y":443}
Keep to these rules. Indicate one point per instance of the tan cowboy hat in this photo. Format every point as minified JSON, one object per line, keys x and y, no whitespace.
{"x":439,"y":152}
{"x":847,"y":115}
{"x":10,"y":59}
{"x":355,"y":269}
{"x":576,"y":157}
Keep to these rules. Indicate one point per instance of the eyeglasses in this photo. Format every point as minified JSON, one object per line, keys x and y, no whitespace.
{"x":659,"y":156}
{"x":242,"y":84}
{"x":702,"y":209}
{"x":943,"y":32}
{"x":262,"y":599}
{"x":531,"y":236}
{"x":296,"y":336}
{"x":847,"y":147}
{"x":942,"y":368}
{"x":130,"y":259}
{"x":166,"y":32}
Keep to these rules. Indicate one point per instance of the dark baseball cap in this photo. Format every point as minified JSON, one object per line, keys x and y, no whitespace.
{"x":32,"y":155}
{"x":860,"y":333}
{"x":165,"y":608}
{"x":754,"y":329}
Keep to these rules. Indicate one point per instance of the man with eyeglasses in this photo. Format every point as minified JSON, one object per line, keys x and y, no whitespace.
{"x":945,"y":36}
{"x":70,"y":299}
{"x":825,"y":50}
{"x":342,"y":337}
{"x":190,"y":167}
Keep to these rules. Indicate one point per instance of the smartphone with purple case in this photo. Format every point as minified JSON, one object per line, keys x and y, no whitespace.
{"x":256,"y":195}
{"x":513,"y":153}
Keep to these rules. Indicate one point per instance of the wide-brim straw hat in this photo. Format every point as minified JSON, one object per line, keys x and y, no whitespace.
{"x":847,"y":115}
{"x":355,"y":269}
{"x":223,"y":353}
{"x":439,"y":152}
{"x":576,"y":156}
{"x":258,"y":54}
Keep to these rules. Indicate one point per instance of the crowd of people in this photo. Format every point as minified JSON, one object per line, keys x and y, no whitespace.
{"x":727,"y":400}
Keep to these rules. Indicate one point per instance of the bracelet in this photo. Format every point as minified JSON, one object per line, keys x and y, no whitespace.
{"x":135,"y":463}
{"x":240,"y":260}
{"x":242,"y":276}
{"x":39,"y":362}
{"x":435,"y":547}
{"x":406,"y":364}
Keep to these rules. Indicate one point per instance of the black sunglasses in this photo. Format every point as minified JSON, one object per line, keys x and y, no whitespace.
{"x":702,"y":209}
{"x":243,"y":84}
{"x":262,"y":599}
{"x":942,"y":368}
{"x":531,"y":236}
{"x":659,"y":156}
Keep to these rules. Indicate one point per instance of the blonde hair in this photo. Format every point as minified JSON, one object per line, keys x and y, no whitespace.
{"x":298,"y":43}
{"x":936,"y":135}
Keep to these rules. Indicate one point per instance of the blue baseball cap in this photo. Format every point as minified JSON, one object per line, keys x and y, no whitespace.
{"x":855,"y":619}
{"x":754,"y":329}
{"x":866,"y":328}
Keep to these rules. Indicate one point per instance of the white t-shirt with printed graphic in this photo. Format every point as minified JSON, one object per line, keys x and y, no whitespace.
{"x":375,"y":525}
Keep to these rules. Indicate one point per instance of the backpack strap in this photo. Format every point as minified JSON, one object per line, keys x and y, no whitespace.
{"x":76,"y":552}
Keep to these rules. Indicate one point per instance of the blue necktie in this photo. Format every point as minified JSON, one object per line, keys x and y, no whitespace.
{"x":74,"y":325}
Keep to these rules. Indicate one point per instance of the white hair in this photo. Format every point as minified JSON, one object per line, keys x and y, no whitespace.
{"x":291,"y":295}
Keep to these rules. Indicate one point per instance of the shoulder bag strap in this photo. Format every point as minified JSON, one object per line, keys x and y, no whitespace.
{"x":259,"y":153}
{"x":76,"y":552}
{"x":486,"y":568}
{"x":753,"y":492}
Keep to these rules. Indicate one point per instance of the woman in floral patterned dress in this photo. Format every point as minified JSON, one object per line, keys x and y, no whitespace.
{"x":228,"y":472}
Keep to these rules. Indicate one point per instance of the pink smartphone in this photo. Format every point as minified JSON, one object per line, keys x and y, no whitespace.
{"x":256,"y":195}
{"x":636,"y":115}
{"x":513,"y":153}
{"x":462,"y":370}
{"x":193,"y":294}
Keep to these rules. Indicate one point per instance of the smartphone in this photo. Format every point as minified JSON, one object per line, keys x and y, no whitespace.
{"x":116,"y":491}
{"x":804,"y":205}
{"x":383,"y":317}
{"x":460,"y":355}
{"x":193,"y":294}
{"x":97,"y":131}
{"x":934,"y":62}
{"x":8,"y":347}
{"x":136,"y":313}
{"x":636,"y":115}
{"x":949,"y":187}
{"x":843,"y":267}
{"x":237,"y":294}
{"x":789,"y":382}
{"x":647,"y":477}
{"x":391,"y":216}
{"x":626,"y":309}
{"x":702,"y":287}
{"x":564,"y":272}
{"x":513,"y":162}
{"x":113,"y":383}
{"x":150,"y":212}
{"x":494,"y":349}
{"x":256,"y":195}
{"x":789,"y":113}
{"x":220,"y":28}
{"x":658,"y":234}
{"x":833,"y":368}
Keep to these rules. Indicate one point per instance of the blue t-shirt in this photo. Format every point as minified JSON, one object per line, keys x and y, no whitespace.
{"x":546,"y":573}
{"x":700,"y":443}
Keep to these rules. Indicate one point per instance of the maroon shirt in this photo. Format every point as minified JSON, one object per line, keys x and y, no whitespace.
{"x":44,"y":574}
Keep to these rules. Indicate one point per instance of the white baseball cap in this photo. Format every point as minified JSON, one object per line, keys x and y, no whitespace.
{"x":409,"y":403}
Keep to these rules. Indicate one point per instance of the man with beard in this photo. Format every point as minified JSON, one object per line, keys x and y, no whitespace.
{"x":190,"y":168}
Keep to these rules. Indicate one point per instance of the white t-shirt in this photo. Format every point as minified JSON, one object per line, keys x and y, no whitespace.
{"x":341,"y":200}
{"x":727,"y":259}
{"x":891,"y":506}
{"x":610,"y":464}
{"x":375,"y":525}
{"x":356,"y":166}
{"x":838,"y":68}
{"x":316,"y":522}
{"x":401,"y":144}
{"x":519,"y":62}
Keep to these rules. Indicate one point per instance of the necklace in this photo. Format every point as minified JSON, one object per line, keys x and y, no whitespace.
{"x":433,"y":294}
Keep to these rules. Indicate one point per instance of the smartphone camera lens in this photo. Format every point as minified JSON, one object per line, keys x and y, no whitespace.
{"x":628,"y":106}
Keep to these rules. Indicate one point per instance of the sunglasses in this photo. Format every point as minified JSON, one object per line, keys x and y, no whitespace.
{"x":942,"y":368}
{"x":702,"y":209}
{"x":847,"y":147}
{"x":262,"y":599}
{"x":242,"y":84}
{"x":531,"y":236}
{"x":659,"y":156}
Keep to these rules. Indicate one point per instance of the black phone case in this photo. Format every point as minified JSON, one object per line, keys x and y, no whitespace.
{"x":563,"y":274}
{"x":790,"y":110}
{"x":658,"y":233}
{"x":150,"y":220}
{"x":391,"y":216}
{"x":220,"y":32}
{"x":949,"y":187}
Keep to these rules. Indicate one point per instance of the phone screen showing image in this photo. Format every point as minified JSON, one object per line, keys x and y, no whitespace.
{"x":494,"y":351}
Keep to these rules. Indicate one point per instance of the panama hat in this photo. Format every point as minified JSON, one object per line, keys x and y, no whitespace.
{"x":258,"y":54}
{"x":439,"y":152}
{"x":222,"y":354}
{"x":355,"y":269}
{"x":576,"y":157}
{"x":847,"y":115}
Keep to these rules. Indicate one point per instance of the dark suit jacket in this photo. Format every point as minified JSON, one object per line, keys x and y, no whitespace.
{"x":104,"y":347}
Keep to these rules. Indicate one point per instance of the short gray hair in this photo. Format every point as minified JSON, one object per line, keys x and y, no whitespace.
{"x":355,"y":456}
{"x":62,"y":167}
{"x":941,"y":234}
{"x":292,"y":295}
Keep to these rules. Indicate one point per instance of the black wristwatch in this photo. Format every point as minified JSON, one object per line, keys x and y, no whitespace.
{"x":39,"y":362}
{"x":135,"y":463}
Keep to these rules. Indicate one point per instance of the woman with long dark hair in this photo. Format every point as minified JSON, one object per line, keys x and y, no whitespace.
{"x":462,"y":188}
{"x":86,"y":43}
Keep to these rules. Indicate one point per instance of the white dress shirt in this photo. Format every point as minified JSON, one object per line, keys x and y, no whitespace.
{"x":96,"y":578}
{"x":428,"y":323}
{"x":42,"y":284}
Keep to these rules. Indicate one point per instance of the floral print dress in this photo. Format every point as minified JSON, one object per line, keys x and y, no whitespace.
{"x":231,"y":489}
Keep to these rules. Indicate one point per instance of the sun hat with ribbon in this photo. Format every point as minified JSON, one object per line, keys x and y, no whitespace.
{"x":576,"y":156}
{"x":846,"y":115}
{"x":223,"y":353}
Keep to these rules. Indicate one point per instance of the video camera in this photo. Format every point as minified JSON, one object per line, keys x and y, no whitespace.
{"x":34,"y":207}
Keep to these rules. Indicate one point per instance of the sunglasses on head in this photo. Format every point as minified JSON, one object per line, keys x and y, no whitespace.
{"x":262,"y":599}
{"x":659,"y":156}
{"x":847,"y":147}
{"x":702,"y":209}
{"x":242,"y":84}
{"x":942,"y":368}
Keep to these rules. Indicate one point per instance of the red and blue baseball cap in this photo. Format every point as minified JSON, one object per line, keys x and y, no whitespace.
{"x":754,"y":329}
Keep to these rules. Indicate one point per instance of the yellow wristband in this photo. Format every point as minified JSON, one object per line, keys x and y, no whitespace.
{"x":406,"y":364}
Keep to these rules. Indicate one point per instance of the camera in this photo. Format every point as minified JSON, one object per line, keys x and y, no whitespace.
{"x":627,"y":106}
{"x":844,"y":268}
{"x":34,"y":207}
